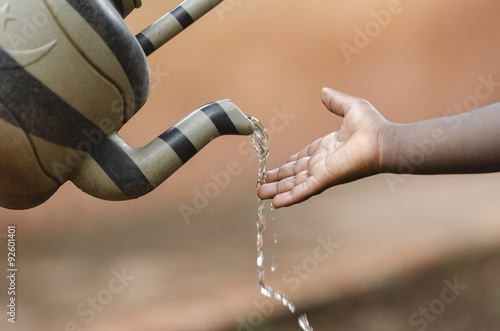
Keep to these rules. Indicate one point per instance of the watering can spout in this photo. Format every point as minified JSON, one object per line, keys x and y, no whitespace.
{"x":173,"y":23}
{"x":117,"y":171}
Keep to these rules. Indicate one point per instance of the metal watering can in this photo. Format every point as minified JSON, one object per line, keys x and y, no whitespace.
{"x":71,"y":74}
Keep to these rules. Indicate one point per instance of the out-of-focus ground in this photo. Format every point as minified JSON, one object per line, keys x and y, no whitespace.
{"x":397,"y":241}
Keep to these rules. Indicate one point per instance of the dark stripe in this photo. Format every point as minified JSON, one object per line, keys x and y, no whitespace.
{"x":120,"y":40}
{"x":146,"y":44}
{"x":119,"y":6}
{"x":40,"y":111}
{"x":219,"y":117}
{"x":179,"y":143}
{"x":7,"y":116}
{"x":182,"y":16}
{"x":122,"y":170}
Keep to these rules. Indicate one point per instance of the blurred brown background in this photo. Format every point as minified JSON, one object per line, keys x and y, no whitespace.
{"x":401,"y":238}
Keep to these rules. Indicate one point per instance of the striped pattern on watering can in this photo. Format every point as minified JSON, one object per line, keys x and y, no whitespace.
{"x":71,"y":74}
{"x":117,"y":171}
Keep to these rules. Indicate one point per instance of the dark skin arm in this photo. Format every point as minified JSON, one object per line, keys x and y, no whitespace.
{"x":367,"y":144}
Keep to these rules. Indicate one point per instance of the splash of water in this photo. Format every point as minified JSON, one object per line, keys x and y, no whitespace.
{"x":261,"y":145}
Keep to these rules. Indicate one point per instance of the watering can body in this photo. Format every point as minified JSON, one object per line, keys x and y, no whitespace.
{"x":71,"y":75}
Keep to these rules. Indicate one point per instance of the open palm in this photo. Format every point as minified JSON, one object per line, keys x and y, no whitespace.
{"x":351,"y":153}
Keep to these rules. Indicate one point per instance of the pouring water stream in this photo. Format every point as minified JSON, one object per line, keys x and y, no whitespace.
{"x":261,"y":145}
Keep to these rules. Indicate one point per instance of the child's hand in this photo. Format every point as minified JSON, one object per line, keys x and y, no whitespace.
{"x":351,"y":153}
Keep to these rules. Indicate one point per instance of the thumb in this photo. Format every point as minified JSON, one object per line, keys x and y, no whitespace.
{"x":337,"y":102}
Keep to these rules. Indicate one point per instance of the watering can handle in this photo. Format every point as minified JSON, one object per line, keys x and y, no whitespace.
{"x":173,"y":23}
{"x":125,"y":7}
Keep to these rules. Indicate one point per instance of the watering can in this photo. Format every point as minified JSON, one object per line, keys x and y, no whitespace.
{"x":71,"y":75}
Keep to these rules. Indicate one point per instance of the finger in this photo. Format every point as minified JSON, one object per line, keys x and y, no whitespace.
{"x":294,"y":157}
{"x":337,"y":102}
{"x":289,"y":183}
{"x":272,"y":176}
{"x":310,"y":149}
{"x":288,"y":170}
{"x":298,"y":194}
{"x":306,"y":151}
{"x":267,"y":191}
{"x":284,"y":200}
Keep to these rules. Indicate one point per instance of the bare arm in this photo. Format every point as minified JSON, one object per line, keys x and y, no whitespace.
{"x":367,"y":144}
{"x":465,"y":143}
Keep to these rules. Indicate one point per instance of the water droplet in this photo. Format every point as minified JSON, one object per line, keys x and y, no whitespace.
{"x":260,"y":259}
{"x":304,"y":323}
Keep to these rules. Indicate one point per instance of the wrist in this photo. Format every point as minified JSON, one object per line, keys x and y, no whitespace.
{"x":387,"y":139}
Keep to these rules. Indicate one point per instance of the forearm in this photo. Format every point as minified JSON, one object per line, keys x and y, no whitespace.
{"x":464,"y":143}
